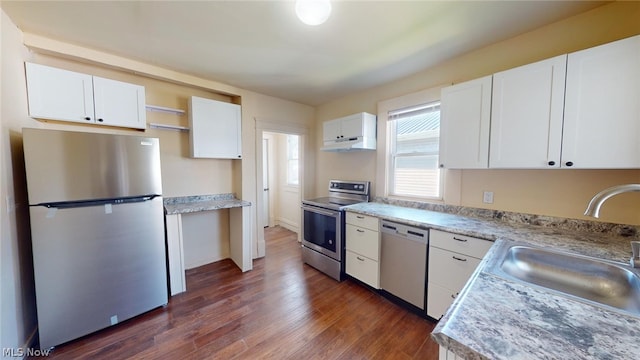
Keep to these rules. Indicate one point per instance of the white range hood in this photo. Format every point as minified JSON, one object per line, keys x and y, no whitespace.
{"x":359,"y":143}
{"x":353,"y":132}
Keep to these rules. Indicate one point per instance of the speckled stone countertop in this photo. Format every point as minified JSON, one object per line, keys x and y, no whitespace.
{"x":196,"y":203}
{"x":495,"y":318}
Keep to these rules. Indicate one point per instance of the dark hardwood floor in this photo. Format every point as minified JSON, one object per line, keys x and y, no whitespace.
{"x":281,"y":309}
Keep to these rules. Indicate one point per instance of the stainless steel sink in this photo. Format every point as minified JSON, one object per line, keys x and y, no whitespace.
{"x":607,"y":283}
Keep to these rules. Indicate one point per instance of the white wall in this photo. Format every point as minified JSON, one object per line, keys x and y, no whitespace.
{"x":205,"y":237}
{"x":18,"y":290}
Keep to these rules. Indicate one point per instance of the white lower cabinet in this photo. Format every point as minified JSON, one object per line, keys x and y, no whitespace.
{"x":363,"y":249}
{"x":446,"y":354}
{"x":452,"y":260}
{"x":363,"y":269}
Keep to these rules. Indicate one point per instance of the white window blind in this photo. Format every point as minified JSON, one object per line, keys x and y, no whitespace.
{"x":415,"y":138}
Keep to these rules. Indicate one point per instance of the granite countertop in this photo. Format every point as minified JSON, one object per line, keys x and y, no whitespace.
{"x":495,"y":318}
{"x":602,"y":245}
{"x":196,"y":203}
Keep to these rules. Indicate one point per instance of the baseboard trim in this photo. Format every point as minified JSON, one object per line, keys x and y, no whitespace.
{"x":288,"y":224}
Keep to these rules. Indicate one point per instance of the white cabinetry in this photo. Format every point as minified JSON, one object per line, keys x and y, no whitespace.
{"x":580,"y":110}
{"x":363,"y":249}
{"x":464,"y":128}
{"x":57,"y":94}
{"x":446,"y":354}
{"x":452,"y":260}
{"x":216,"y":129}
{"x":357,"y":131}
{"x":602,"y":106}
{"x":526,"y":115}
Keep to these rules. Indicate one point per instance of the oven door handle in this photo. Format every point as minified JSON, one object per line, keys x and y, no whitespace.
{"x":320,"y":211}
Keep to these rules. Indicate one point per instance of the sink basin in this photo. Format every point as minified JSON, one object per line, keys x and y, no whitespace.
{"x":593,"y":280}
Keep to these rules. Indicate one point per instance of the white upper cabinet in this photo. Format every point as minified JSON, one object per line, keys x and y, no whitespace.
{"x":216,"y":129}
{"x":331,"y":130}
{"x":464,"y":126}
{"x":526,"y":115}
{"x":602,"y":106}
{"x":56,"y":94}
{"x":119,"y":104}
{"x":353,"y":132}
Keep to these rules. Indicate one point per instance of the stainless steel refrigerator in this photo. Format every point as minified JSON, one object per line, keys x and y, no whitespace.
{"x":97,"y":229}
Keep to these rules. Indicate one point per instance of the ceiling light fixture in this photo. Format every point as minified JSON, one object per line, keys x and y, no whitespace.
{"x":313,"y":12}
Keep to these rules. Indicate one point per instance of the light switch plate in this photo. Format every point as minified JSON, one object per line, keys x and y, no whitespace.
{"x":487,"y":197}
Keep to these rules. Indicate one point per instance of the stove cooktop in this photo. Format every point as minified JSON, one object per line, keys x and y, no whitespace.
{"x":331,"y":202}
{"x":342,"y":193}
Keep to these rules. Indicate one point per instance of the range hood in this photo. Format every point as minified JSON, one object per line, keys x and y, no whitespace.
{"x":349,"y":133}
{"x":351,"y":144}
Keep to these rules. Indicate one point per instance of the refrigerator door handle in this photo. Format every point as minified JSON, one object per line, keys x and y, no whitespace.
{"x":99,"y":202}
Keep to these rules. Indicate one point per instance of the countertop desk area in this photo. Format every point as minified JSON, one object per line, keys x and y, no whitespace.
{"x":239,"y":231}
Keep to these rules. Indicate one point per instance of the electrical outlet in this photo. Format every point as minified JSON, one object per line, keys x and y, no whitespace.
{"x":487,"y":197}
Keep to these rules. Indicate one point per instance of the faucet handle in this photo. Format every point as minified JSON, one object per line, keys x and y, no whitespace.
{"x":635,"y":249}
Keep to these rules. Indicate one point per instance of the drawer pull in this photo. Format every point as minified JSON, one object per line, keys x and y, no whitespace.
{"x":359,"y":258}
{"x":453,"y":296}
{"x":459,"y":259}
{"x":360,"y":217}
{"x":360,"y":230}
{"x":462,"y":240}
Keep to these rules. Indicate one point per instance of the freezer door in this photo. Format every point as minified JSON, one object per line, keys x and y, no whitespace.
{"x":66,"y":166}
{"x":96,"y":266}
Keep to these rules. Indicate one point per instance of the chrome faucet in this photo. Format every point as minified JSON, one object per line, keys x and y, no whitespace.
{"x":593,"y":209}
{"x":635,"y":258}
{"x":594,"y":205}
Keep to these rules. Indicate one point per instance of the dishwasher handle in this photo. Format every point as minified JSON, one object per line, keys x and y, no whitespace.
{"x":405,"y":231}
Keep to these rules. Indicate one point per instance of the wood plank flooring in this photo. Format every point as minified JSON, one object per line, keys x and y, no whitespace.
{"x":282,"y":309}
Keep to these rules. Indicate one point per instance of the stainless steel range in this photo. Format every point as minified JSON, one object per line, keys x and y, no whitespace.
{"x":323,"y":226}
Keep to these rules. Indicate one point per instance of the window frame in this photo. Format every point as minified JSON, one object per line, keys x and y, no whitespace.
{"x":393,"y":156}
{"x":293,"y":157}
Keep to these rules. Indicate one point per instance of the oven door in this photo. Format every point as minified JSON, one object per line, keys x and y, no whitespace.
{"x":322,"y":230}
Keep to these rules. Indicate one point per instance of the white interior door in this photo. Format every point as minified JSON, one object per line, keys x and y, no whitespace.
{"x":265,"y":182}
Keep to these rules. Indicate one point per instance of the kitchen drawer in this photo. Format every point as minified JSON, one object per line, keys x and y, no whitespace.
{"x":363,"y":241}
{"x":363,"y":269}
{"x":450,"y":269}
{"x":459,"y":243}
{"x":439,"y":298}
{"x":364,"y":221}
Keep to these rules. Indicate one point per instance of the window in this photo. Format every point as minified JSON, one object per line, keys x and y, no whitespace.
{"x":415,"y":138}
{"x":292,"y":160}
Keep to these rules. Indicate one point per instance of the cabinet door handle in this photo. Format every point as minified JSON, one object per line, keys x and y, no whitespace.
{"x":360,"y":217}
{"x":360,"y":230}
{"x":551,"y":163}
{"x":453,"y":296}
{"x":458,"y":239}
{"x":87,"y":118}
{"x":359,"y":258}
{"x":459,"y":259}
{"x":101,"y":120}
{"x":569,"y":163}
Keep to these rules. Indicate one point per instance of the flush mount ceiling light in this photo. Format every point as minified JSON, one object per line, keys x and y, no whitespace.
{"x":313,"y":12}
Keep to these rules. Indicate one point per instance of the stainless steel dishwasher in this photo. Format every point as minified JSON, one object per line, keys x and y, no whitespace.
{"x":403,"y":262}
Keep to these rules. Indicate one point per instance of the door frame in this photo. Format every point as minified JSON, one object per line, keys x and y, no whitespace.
{"x":263,"y":126}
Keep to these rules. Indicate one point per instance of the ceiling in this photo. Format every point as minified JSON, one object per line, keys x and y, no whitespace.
{"x":261,"y":46}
